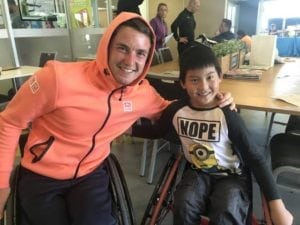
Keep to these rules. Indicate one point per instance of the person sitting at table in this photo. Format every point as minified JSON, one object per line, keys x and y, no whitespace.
{"x":224,"y":32}
{"x":273,"y":29}
{"x":245,"y":38}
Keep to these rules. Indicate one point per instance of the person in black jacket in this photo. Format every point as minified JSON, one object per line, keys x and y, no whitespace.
{"x":184,"y":26}
{"x":224,"y":33}
{"x":129,"y":6}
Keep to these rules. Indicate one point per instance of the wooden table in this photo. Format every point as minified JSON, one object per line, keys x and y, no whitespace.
{"x":23,"y":71}
{"x":13,"y":74}
{"x":255,"y":95}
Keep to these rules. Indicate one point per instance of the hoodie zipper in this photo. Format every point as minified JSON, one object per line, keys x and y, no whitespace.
{"x":101,"y":128}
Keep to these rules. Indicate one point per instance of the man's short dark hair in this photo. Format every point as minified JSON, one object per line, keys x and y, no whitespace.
{"x":160,"y":5}
{"x":138,"y":25}
{"x":197,"y":56}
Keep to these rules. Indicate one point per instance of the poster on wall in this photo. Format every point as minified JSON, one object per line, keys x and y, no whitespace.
{"x":1,"y":18}
{"x":37,"y":10}
{"x":81,"y":11}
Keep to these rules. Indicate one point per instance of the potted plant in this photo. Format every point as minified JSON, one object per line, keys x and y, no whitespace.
{"x":227,"y":51}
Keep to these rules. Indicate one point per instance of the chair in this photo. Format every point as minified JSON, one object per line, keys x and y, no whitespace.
{"x":292,"y":123}
{"x":165,"y":54}
{"x":155,"y":59}
{"x":122,"y":205}
{"x":161,"y":200}
{"x":168,"y":91}
{"x":285,"y":154}
{"x":45,"y":56}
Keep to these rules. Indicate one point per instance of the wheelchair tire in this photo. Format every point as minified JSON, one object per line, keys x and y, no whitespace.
{"x":121,"y":198}
{"x":159,"y":206}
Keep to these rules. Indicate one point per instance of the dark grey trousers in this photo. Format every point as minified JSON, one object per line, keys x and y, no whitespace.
{"x":82,"y":201}
{"x":226,"y":200}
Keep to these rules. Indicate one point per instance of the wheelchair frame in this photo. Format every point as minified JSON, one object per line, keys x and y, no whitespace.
{"x":121,"y":200}
{"x":161,"y":201}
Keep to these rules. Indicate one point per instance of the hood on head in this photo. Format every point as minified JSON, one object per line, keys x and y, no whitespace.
{"x":103,"y":47}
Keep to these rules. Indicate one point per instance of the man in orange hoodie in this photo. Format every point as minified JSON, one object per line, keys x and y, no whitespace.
{"x":75,"y":110}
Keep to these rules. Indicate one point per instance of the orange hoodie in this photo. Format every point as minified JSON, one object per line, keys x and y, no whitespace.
{"x":75,"y":110}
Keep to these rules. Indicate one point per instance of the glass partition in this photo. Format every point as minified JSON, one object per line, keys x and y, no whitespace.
{"x":1,"y":17}
{"x":91,"y":13}
{"x":37,"y":13}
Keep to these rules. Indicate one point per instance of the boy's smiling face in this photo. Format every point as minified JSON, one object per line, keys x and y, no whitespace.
{"x":202,"y":86}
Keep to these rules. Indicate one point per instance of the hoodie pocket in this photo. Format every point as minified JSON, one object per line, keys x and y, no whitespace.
{"x":40,"y":149}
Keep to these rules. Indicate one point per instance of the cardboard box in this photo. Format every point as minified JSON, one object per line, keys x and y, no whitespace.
{"x":224,"y":62}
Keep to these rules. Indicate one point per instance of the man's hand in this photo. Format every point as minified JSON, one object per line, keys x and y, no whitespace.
{"x":4,"y":193}
{"x":183,"y":40}
{"x":226,"y":99}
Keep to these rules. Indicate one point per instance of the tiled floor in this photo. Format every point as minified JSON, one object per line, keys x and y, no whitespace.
{"x":129,"y":155}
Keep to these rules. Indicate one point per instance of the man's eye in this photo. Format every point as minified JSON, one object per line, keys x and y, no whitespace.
{"x":121,"y":48}
{"x":142,"y":54}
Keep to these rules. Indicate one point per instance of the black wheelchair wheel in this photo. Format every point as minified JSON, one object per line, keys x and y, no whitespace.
{"x":162,"y":198}
{"x":121,"y":198}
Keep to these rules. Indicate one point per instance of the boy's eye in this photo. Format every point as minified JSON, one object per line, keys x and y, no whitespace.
{"x":194,"y":80}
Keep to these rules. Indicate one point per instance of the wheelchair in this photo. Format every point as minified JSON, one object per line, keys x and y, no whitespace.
{"x":161,"y":202}
{"x":122,"y":205}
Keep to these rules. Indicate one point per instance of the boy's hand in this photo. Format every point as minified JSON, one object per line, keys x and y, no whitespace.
{"x":225,"y":98}
{"x":279,"y":214}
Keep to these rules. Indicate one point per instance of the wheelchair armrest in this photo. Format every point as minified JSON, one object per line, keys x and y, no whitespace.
{"x":288,"y":186}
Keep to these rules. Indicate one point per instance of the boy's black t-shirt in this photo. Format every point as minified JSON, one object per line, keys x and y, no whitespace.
{"x":215,"y":137}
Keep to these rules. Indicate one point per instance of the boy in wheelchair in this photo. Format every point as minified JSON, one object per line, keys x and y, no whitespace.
{"x":217,"y":146}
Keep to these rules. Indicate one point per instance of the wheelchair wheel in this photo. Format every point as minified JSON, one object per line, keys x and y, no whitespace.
{"x":120,"y":194}
{"x":162,"y":198}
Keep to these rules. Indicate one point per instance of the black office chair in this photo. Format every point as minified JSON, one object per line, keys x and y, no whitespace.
{"x":45,"y":56}
{"x":122,"y":205}
{"x":285,"y":155}
{"x":155,"y":59}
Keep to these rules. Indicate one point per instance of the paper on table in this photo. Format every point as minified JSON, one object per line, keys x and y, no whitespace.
{"x":167,"y":38}
{"x":292,"y":99}
{"x":173,"y":73}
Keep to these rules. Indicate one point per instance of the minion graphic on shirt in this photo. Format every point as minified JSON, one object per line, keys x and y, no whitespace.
{"x":202,"y":156}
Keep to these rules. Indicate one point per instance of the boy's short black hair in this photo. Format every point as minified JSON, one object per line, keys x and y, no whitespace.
{"x":197,"y":56}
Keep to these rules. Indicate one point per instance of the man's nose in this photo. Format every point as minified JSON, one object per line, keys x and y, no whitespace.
{"x":130,"y":58}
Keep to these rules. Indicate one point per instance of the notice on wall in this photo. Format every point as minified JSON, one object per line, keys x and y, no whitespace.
{"x":37,"y":9}
{"x":81,"y":11}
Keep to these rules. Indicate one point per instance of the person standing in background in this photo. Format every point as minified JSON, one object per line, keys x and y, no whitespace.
{"x":184,"y":26}
{"x":159,"y":25}
{"x":129,"y":6}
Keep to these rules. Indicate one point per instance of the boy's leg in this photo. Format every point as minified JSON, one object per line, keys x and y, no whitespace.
{"x":229,"y":200}
{"x":89,"y":200}
{"x":41,"y":200}
{"x":191,"y":197}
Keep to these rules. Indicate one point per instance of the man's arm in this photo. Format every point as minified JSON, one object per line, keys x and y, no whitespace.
{"x":224,"y":99}
{"x":174,"y":27}
{"x":4,"y":193}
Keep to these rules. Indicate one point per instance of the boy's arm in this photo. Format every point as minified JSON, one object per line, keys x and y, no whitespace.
{"x":254,"y":158}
